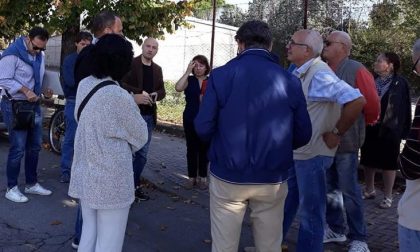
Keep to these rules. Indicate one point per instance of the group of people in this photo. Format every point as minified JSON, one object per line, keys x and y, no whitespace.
{"x":279,"y":142}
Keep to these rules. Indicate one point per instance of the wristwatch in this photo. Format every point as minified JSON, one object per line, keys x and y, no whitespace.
{"x":336,"y":132}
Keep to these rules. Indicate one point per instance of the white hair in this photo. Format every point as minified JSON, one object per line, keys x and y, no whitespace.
{"x":344,"y":38}
{"x":314,"y":40}
{"x":416,"y":49}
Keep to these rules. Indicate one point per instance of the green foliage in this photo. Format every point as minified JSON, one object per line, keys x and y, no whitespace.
{"x":204,"y":8}
{"x":140,"y":17}
{"x":233,"y":15}
{"x":394,"y":26}
{"x":171,"y":108}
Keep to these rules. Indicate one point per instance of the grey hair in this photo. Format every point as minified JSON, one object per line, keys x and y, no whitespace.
{"x":416,"y":49}
{"x":345,"y":39}
{"x":314,"y":40}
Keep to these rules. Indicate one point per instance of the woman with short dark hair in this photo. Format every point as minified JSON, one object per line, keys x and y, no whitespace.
{"x":194,"y":87}
{"x":382,"y":143}
{"x":110,"y":130}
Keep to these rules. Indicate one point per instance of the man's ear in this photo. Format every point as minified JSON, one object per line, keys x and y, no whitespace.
{"x":270,"y":48}
{"x":241,"y":46}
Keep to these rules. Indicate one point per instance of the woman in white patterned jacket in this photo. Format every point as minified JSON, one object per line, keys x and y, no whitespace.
{"x":110,"y":130}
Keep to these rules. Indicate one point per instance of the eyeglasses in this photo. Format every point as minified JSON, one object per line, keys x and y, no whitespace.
{"x":328,"y":43}
{"x":414,"y":67}
{"x":36,"y":48}
{"x":292,"y":43}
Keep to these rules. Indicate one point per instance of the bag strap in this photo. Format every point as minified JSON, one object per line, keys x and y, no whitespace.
{"x":91,"y":93}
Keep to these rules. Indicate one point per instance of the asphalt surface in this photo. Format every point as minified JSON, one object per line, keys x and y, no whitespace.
{"x":174,"y":219}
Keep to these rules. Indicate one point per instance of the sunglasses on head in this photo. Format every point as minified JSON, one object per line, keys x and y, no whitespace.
{"x":36,"y":48}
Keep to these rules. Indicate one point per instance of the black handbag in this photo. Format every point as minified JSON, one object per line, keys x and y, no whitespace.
{"x":23,"y":114}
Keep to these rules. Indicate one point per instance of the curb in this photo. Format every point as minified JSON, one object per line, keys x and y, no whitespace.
{"x":170,"y":128}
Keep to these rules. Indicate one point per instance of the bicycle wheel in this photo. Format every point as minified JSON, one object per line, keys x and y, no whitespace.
{"x":56,"y":130}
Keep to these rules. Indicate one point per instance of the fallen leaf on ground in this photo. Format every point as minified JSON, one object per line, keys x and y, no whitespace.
{"x":56,"y":222}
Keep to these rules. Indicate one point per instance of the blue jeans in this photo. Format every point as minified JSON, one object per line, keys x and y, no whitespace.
{"x":343,"y":187}
{"x":140,"y":157}
{"x":409,"y":239}
{"x":22,"y":142}
{"x":307,"y":190}
{"x":67,"y":148}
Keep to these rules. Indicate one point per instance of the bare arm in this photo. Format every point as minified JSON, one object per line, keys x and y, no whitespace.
{"x":182,"y":83}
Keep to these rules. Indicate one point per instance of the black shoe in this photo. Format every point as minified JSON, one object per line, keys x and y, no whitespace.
{"x":140,"y":195}
{"x":75,"y":243}
{"x":65,"y":178}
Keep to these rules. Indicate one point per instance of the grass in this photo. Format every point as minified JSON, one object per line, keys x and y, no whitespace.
{"x":171,"y":107}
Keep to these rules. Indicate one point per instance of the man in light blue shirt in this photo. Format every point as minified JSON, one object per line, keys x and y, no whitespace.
{"x":23,"y":68}
{"x":333,"y":106}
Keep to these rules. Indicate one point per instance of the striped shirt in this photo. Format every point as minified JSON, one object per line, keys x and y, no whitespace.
{"x":410,"y":156}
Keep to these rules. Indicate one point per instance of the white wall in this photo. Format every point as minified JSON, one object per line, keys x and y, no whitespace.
{"x":177,"y":49}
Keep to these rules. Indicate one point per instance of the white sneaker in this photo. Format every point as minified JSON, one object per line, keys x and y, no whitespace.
{"x":331,"y":236}
{"x":37,"y":189}
{"x":358,"y":246}
{"x":15,"y":195}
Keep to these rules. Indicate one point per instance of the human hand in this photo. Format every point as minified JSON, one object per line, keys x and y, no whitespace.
{"x":31,"y":96}
{"x":191,"y":66}
{"x":48,"y":94}
{"x":331,"y":140}
{"x":143,"y":98}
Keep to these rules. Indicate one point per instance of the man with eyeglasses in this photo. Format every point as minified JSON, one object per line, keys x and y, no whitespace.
{"x":408,"y":206}
{"x":333,"y":106}
{"x":342,"y":180}
{"x":22,"y":71}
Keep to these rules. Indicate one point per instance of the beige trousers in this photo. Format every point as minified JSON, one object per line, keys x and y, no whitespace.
{"x":228,"y":203}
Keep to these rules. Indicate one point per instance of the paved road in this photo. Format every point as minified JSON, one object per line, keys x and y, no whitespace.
{"x":173,"y":220}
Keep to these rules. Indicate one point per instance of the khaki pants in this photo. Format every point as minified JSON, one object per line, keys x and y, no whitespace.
{"x":228,"y":203}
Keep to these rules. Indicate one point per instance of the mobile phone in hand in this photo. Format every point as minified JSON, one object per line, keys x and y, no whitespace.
{"x":153,"y":97}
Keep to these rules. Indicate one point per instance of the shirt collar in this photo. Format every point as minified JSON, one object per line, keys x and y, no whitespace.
{"x":300,"y":71}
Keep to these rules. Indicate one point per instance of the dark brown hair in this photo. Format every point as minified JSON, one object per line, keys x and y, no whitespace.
{"x":202,"y":60}
{"x":393,"y":58}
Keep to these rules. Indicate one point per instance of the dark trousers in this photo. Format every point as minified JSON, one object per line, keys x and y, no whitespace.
{"x":196,"y":152}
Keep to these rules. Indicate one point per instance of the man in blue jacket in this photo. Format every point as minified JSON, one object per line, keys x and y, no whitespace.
{"x":254,"y":113}
{"x":69,"y":87}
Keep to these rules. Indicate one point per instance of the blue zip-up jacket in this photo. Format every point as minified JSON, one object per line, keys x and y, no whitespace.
{"x":67,"y":71}
{"x":254,"y":113}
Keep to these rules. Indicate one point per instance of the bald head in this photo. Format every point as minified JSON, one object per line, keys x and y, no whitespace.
{"x":342,"y":37}
{"x":337,"y":47}
{"x":150,"y":48}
